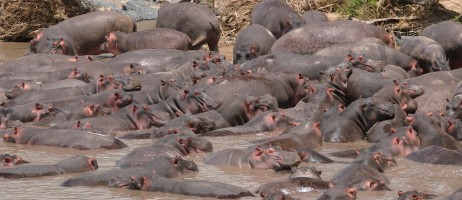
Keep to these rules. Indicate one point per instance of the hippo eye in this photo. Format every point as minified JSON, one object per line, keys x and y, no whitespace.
{"x":270,"y":150}
{"x":372,"y":184}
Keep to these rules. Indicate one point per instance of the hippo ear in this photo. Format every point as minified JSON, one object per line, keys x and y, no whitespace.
{"x":15,"y":130}
{"x":352,"y":192}
{"x":163,"y":83}
{"x":258,"y":151}
{"x":134,"y":109}
{"x":396,"y":140}
{"x":447,"y":100}
{"x":400,"y":193}
{"x":362,"y":106}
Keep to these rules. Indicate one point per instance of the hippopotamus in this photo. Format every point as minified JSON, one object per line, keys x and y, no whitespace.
{"x":385,"y":128}
{"x":34,"y":61}
{"x":198,"y":22}
{"x":62,"y":138}
{"x":397,"y":93}
{"x":414,"y":195}
{"x":447,"y":34}
{"x":70,"y":37}
{"x":74,"y":164}
{"x":310,"y":39}
{"x":314,"y":16}
{"x":376,"y":159}
{"x":281,"y":19}
{"x":294,"y":185}
{"x":452,"y":126}
{"x":157,"y":38}
{"x":46,"y":77}
{"x":31,"y":112}
{"x":24,"y":86}
{"x":255,"y":157}
{"x":264,"y":122}
{"x":373,"y":51}
{"x":288,"y":89}
{"x":305,"y":135}
{"x":357,"y":118}
{"x":11,"y":160}
{"x":163,"y":166}
{"x":436,"y":155}
{"x":171,"y":145}
{"x":362,"y":177}
{"x":252,"y":41}
{"x":428,"y":52}
{"x":430,"y":133}
{"x":400,"y":143}
{"x":339,"y":192}
{"x":199,"y":188}
{"x":455,"y":195}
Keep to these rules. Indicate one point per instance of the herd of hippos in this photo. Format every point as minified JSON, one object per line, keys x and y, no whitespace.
{"x":311,"y":79}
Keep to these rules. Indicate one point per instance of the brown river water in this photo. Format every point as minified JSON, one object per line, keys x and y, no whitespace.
{"x":440,"y":180}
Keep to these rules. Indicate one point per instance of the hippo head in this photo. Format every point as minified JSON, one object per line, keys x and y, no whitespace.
{"x":10,"y":160}
{"x":40,"y":110}
{"x":13,"y":137}
{"x":414,"y":195}
{"x":414,"y":70}
{"x":55,"y":46}
{"x":118,"y":100}
{"x":184,"y":165}
{"x":339,"y":192}
{"x":453,"y":127}
{"x":306,"y":172}
{"x":370,"y":184}
{"x":133,"y":68}
{"x":76,"y":74}
{"x":143,"y":117}
{"x":337,"y":77}
{"x":245,"y":52}
{"x":112,"y":43}
{"x":192,"y":102}
{"x":454,"y":107}
{"x":17,"y":90}
{"x":274,"y":158}
{"x":375,"y":111}
{"x":77,"y":163}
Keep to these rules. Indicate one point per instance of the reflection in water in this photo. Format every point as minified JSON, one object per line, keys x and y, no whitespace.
{"x":408,"y":175}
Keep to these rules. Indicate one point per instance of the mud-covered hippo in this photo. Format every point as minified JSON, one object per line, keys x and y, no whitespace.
{"x":253,"y":41}
{"x":199,"y":188}
{"x":196,"y":21}
{"x":157,"y":38}
{"x":277,"y":16}
{"x":75,"y":164}
{"x":255,"y":157}
{"x":71,"y":37}
{"x":62,"y":138}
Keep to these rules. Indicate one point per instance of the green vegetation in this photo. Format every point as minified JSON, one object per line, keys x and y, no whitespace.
{"x":358,"y":8}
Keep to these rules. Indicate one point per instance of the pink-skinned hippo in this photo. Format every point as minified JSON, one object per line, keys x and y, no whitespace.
{"x":277,"y":16}
{"x":198,"y":22}
{"x":198,"y":188}
{"x":75,"y":164}
{"x":71,"y":37}
{"x":310,"y":39}
{"x":255,"y":157}
{"x":157,"y":38}
{"x":252,"y":41}
{"x":62,"y":138}
{"x":448,"y":35}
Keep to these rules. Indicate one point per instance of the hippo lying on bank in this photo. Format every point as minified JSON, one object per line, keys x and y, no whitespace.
{"x":74,"y":164}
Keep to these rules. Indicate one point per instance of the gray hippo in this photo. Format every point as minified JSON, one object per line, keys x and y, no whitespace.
{"x":157,"y":38}
{"x":73,"y":164}
{"x":255,"y":157}
{"x":428,"y":52}
{"x":252,"y":41}
{"x":62,"y":138}
{"x":70,"y":37}
{"x":277,"y":16}
{"x":199,"y":188}
{"x":198,"y":22}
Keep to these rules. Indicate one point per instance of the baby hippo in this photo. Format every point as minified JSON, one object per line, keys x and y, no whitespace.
{"x":157,"y":38}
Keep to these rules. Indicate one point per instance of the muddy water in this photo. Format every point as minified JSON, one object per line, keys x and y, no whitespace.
{"x":436,"y":179}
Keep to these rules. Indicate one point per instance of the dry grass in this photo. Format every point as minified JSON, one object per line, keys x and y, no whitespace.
{"x":235,"y":14}
{"x":20,"y":20}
